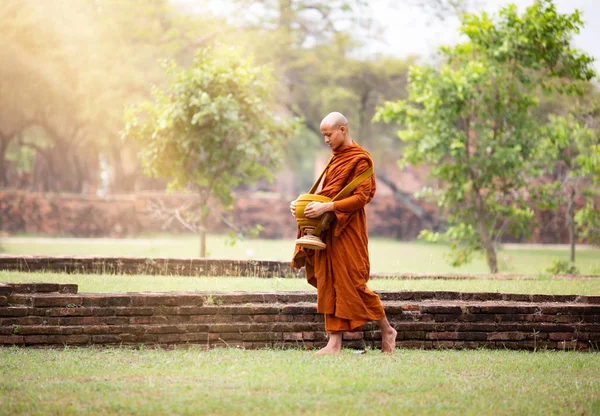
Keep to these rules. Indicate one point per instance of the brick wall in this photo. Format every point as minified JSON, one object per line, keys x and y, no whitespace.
{"x":152,"y":266}
{"x":129,"y":215}
{"x":56,"y":315}
{"x":207,"y":267}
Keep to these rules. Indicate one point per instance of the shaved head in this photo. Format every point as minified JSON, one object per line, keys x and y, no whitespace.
{"x":335,"y":120}
{"x":334,"y":128}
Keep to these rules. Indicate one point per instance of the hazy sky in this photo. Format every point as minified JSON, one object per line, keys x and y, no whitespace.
{"x":411,"y":31}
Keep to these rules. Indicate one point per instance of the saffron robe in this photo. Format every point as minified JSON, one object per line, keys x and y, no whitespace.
{"x":340,"y":272}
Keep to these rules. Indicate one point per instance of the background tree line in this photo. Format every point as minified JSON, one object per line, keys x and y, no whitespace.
{"x":71,"y":69}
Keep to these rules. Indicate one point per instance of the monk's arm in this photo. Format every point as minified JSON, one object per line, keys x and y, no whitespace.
{"x":359,"y":197}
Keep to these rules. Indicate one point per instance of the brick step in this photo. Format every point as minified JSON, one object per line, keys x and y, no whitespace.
{"x":31,"y":288}
{"x":253,"y":320}
{"x":49,"y":290}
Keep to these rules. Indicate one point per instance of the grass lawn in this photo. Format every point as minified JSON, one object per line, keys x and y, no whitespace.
{"x":141,"y":283}
{"x":387,"y":256}
{"x":276,"y":382}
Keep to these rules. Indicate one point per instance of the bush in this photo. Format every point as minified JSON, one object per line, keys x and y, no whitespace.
{"x":561,"y":267}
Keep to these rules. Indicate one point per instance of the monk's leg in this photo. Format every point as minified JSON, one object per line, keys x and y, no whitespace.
{"x":388,"y":336}
{"x":334,"y":346}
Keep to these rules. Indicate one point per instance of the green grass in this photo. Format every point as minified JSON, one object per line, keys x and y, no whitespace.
{"x":276,"y":382}
{"x":141,"y":283}
{"x":387,"y":256}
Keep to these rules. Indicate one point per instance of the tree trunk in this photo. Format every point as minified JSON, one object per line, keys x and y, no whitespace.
{"x":202,"y":235}
{"x":409,"y":202}
{"x":3,"y":176}
{"x":571,"y":222}
{"x":486,"y":241}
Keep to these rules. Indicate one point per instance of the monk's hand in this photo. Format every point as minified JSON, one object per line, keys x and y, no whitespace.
{"x":316,"y":209}
{"x":293,"y":207}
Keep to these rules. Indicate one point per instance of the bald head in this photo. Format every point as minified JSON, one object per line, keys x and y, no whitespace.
{"x":334,"y":129}
{"x":335,"y":120}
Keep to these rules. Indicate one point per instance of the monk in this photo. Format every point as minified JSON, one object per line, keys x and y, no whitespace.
{"x":340,"y":272}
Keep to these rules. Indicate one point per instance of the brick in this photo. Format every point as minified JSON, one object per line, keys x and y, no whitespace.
{"x":231,"y":336}
{"x":57,"y":301}
{"x":443,"y":344}
{"x":412,"y":335}
{"x":105,"y":339}
{"x":71,"y":312}
{"x":3,"y":301}
{"x":292,"y":309}
{"x":262,"y":336}
{"x":411,"y":344}
{"x":442,"y":335}
{"x":101,"y":311}
{"x":96,"y":329}
{"x":314,"y":335}
{"x":562,"y":336}
{"x":68,"y":339}
{"x":292,"y":336}
{"x":40,"y":330}
{"x":194,"y":337}
{"x":505,"y":336}
{"x":350,"y":335}
{"x":20,"y":299}
{"x":83,"y":320}
{"x":439,"y":309}
{"x":13,"y":311}
{"x":133,"y":311}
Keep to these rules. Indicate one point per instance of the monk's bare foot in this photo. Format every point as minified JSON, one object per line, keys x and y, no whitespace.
{"x":333,"y":347}
{"x":329,"y":351}
{"x":388,"y":341}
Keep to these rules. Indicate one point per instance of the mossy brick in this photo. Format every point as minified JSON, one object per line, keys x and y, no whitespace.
{"x":70,"y":312}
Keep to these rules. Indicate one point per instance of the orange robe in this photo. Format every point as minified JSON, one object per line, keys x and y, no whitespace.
{"x":341,"y":271}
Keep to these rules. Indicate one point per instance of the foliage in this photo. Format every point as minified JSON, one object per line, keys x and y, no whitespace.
{"x":569,"y":152}
{"x":212,"y":129}
{"x":470,"y":120}
{"x":588,"y":220}
{"x":561,"y":267}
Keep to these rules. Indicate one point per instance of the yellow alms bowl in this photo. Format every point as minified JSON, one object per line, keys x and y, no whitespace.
{"x":301,"y":202}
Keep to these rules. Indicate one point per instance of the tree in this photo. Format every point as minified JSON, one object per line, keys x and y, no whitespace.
{"x":569,"y":151}
{"x":212,"y":129}
{"x":471,"y":120}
